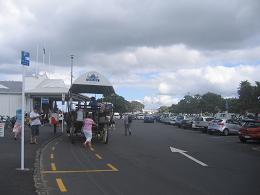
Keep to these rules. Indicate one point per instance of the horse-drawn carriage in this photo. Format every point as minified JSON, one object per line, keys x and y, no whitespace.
{"x":102,"y":112}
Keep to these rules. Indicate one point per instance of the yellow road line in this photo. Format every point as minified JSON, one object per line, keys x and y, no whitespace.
{"x":98,"y":156}
{"x":53,"y":167}
{"x":52,"y":156}
{"x":112,"y":167}
{"x":80,"y":171}
{"x":61,"y":185}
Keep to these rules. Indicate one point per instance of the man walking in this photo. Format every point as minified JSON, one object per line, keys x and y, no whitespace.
{"x":127,"y":125}
{"x":35,"y":124}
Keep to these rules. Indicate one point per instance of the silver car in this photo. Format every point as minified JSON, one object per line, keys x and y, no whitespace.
{"x":224,"y":126}
{"x":202,"y":123}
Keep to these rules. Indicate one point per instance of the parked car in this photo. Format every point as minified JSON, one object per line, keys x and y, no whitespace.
{"x":224,"y":126}
{"x":225,"y":115}
{"x":250,"y":131}
{"x":201,"y":122}
{"x":173,"y":120}
{"x":178,"y":120}
{"x":140,"y":116}
{"x":187,"y":122}
{"x":149,"y":119}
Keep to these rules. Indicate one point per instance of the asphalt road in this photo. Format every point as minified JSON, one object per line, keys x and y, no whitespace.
{"x":144,"y":164}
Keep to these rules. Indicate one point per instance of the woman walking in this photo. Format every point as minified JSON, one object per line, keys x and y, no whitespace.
{"x":87,"y":130}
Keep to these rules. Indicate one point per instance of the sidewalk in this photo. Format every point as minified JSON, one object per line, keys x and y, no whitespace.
{"x":19,"y":182}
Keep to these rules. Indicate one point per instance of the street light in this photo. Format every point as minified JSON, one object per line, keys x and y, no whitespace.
{"x":71,"y":69}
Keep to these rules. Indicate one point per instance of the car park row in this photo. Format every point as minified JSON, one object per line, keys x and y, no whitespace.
{"x":221,"y":123}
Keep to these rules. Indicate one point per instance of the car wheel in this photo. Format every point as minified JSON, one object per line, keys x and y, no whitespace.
{"x":242,"y":139}
{"x":225,"y":132}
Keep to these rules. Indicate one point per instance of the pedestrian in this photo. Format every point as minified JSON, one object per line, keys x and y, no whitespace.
{"x":68,"y":120}
{"x":127,"y":125}
{"x":87,"y":130}
{"x":54,"y":122}
{"x":130,"y":124}
{"x":17,"y":130}
{"x":35,"y":124}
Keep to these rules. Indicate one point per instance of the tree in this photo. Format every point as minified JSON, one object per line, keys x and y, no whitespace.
{"x":120,"y":104}
{"x":233,"y":105}
{"x":136,"y":106}
{"x":164,"y":109}
{"x":212,"y":103}
{"x":246,"y":96}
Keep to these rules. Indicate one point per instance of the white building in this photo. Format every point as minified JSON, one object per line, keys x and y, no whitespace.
{"x":39,"y":90}
{"x":10,"y":97}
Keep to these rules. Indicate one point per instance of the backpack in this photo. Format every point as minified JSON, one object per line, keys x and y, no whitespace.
{"x":53,"y":120}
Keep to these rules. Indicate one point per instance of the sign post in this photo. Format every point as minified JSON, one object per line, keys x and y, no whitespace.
{"x":2,"y":129}
{"x":25,"y":61}
{"x":62,"y":123}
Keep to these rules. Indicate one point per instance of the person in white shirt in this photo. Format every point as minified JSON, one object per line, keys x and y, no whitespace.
{"x":35,"y":124}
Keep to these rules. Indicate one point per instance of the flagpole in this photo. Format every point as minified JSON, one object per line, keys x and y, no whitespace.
{"x":22,"y":135}
{"x":49,"y":62}
{"x":37,"y":60}
{"x":43,"y":56}
{"x":23,"y":108}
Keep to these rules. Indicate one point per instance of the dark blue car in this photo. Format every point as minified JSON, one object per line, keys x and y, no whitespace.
{"x":149,"y":119}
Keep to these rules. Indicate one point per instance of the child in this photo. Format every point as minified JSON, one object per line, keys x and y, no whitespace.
{"x":87,"y":130}
{"x":17,"y":130}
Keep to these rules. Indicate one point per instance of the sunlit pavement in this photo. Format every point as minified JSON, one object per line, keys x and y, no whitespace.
{"x":144,"y":163}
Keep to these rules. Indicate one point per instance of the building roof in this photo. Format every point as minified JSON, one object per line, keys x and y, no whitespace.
{"x":7,"y":87}
{"x":50,"y":86}
{"x":35,"y":85}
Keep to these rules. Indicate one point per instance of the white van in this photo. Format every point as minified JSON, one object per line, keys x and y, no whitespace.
{"x":140,"y":116}
{"x":116,"y":115}
{"x":225,"y":115}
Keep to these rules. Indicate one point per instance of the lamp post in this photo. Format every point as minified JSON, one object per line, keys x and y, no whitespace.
{"x":71,"y":68}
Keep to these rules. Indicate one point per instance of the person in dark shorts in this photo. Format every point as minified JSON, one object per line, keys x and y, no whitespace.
{"x":35,"y":125}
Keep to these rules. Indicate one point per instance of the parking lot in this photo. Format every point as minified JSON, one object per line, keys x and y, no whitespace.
{"x":155,"y":159}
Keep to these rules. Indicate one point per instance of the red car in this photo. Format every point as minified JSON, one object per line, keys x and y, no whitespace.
{"x":250,"y":131}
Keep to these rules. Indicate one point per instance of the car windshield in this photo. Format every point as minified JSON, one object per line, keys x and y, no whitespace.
{"x":252,"y":124}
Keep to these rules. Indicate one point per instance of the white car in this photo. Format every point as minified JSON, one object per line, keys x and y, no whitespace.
{"x":224,"y":126}
{"x":201,"y":122}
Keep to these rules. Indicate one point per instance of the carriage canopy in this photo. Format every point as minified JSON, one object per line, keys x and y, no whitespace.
{"x":92,"y":82}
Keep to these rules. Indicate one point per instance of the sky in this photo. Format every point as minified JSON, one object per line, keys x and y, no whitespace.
{"x":152,"y":51}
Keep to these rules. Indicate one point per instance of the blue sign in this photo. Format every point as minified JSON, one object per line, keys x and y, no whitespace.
{"x":92,"y":77}
{"x":25,"y":58}
{"x":19,"y":116}
{"x":45,"y":100}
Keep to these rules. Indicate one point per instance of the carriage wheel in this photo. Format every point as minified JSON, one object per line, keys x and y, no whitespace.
{"x":71,"y":135}
{"x":105,"y":134}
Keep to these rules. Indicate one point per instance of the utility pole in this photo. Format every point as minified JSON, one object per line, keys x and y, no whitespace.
{"x":71,"y":70}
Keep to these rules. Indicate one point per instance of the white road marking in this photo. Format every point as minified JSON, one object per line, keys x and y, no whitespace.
{"x":256,"y":149}
{"x":188,"y":156}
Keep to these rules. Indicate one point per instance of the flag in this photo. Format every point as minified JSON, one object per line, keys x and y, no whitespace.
{"x":25,"y":58}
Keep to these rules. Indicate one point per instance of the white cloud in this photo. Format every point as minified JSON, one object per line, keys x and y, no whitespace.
{"x":157,"y":101}
{"x":169,"y":47}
